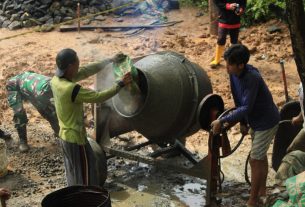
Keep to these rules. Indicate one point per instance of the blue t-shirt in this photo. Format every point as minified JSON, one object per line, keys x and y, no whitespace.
{"x":253,"y":101}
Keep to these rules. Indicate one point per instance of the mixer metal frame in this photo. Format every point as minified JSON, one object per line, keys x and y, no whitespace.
{"x":207,"y":168}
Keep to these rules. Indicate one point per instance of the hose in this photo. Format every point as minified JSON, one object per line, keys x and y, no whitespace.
{"x":246,"y":170}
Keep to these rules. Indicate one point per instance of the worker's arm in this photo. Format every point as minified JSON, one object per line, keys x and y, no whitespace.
{"x":90,"y":69}
{"x":82,"y":95}
{"x":249,"y":96}
{"x":90,"y":96}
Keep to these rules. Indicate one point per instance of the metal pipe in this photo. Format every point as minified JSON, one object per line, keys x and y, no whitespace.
{"x":284,"y":80}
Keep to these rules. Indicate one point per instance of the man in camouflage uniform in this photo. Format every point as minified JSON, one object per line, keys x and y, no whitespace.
{"x":35,"y":88}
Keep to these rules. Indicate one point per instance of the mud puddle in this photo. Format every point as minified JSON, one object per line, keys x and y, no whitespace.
{"x":144,"y":186}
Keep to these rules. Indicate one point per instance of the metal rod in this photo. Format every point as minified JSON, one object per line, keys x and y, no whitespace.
{"x":284,"y":80}
{"x":78,"y":17}
{"x":185,"y":152}
{"x":162,"y":151}
{"x":138,"y":146}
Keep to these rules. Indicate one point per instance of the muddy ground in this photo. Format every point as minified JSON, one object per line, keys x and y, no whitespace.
{"x":40,"y":171}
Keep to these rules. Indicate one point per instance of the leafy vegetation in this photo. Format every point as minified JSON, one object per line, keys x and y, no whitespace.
{"x":257,"y":10}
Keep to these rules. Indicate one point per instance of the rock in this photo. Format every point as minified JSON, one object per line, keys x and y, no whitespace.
{"x":27,"y":23}
{"x":273,"y":29}
{"x":204,"y":35}
{"x":50,"y":21}
{"x":46,"y":2}
{"x":46,"y":28}
{"x":119,"y":20}
{"x":199,"y":14}
{"x":44,"y":18}
{"x":24,"y":16}
{"x":86,"y":21}
{"x":15,"y":17}
{"x":57,"y":19}
{"x":6,"y":23}
{"x":100,"y":18}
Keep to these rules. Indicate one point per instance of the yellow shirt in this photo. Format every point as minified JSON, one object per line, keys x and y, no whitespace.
{"x":68,"y":99}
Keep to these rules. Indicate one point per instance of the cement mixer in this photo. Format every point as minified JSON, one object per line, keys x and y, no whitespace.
{"x":172,"y":88}
{"x":176,"y":101}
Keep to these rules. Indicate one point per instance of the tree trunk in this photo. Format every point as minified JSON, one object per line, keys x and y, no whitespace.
{"x":213,"y":13}
{"x":296,"y":19}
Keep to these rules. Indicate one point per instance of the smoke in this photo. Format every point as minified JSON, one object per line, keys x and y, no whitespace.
{"x":128,"y":102}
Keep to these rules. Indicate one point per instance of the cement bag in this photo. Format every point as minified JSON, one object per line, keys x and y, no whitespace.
{"x":129,"y":97}
{"x":296,"y":189}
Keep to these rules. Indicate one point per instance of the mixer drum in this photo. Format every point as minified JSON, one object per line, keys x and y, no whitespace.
{"x":171,"y":88}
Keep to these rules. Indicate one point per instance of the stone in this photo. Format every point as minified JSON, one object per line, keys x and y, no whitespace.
{"x":273,"y":29}
{"x":15,"y":17}
{"x":6,"y":23}
{"x":44,"y":19}
{"x":57,"y":19}
{"x":15,"y":25}
{"x":100,"y":18}
{"x":86,"y":21}
{"x":50,"y":21}
{"x":5,"y":5}
{"x":24,"y":16}
{"x":27,"y":23}
{"x":46,"y":2}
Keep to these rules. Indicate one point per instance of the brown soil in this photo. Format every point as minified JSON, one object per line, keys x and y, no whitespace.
{"x":40,"y":171}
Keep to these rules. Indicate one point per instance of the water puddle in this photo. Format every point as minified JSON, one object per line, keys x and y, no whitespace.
{"x":152,"y":189}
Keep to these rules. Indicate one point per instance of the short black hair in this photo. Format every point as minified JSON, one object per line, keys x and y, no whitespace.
{"x":65,"y":57}
{"x":237,"y":54}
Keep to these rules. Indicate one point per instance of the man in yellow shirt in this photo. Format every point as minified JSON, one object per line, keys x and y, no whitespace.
{"x":69,"y":97}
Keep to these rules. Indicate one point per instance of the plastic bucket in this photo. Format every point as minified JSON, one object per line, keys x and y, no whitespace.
{"x":80,"y":196}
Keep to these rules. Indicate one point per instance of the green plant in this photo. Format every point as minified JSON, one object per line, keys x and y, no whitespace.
{"x":258,"y":11}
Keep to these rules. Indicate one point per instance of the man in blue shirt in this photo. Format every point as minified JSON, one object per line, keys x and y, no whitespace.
{"x":254,"y":108}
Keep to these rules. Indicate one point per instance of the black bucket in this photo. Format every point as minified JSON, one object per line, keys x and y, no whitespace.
{"x":78,"y":196}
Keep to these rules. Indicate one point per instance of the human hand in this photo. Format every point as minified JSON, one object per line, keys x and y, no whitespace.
{"x":296,"y":120}
{"x":127,"y":78}
{"x":119,"y":57}
{"x":244,"y":129}
{"x":216,"y":126}
{"x":5,"y":194}
{"x":233,"y":6}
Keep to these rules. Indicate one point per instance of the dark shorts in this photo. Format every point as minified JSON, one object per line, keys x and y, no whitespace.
{"x":222,"y":35}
